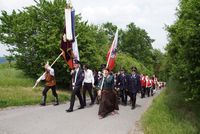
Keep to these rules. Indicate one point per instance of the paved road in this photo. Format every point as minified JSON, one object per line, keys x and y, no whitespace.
{"x":54,"y":120}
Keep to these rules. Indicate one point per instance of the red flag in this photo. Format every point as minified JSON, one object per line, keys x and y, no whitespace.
{"x":112,"y":53}
{"x":66,"y":47}
{"x":68,"y":37}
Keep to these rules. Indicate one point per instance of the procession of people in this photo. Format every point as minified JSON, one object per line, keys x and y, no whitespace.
{"x":104,"y":87}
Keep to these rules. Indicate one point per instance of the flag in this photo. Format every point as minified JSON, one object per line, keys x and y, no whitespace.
{"x":68,"y":37}
{"x":75,"y":50}
{"x":112,"y":53}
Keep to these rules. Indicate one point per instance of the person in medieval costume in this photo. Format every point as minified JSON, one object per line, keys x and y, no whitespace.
{"x":108,"y":103}
{"x":50,"y":83}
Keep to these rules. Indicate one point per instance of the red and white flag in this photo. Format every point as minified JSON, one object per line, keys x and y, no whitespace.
{"x":112,"y":53}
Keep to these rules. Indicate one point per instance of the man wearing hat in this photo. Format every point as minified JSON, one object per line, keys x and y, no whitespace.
{"x":133,"y":86}
{"x":77,"y":79}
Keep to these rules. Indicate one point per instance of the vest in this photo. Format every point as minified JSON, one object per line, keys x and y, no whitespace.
{"x":50,"y":80}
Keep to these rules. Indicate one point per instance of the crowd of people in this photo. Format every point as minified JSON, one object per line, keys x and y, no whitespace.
{"x":104,"y":87}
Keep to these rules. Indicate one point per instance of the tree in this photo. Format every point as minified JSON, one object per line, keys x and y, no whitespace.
{"x":9,"y":58}
{"x":183,"y":50}
{"x":138,"y":44}
{"x":34,"y":36}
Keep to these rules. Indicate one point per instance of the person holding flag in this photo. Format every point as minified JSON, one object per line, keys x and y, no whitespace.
{"x":49,"y":78}
{"x":109,"y":100}
{"x":77,"y":80}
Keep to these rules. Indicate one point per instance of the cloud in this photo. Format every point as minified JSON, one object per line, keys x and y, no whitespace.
{"x":151,"y":15}
{"x":147,"y":14}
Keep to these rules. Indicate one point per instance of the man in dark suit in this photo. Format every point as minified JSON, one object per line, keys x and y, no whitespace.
{"x":77,"y":79}
{"x":121,"y":83}
{"x":133,"y":85}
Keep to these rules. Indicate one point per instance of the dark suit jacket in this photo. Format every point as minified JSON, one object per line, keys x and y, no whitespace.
{"x":122,"y":80}
{"x":79,"y":79}
{"x":133,"y":83}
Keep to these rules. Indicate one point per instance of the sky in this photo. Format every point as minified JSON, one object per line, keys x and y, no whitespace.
{"x":151,"y":15}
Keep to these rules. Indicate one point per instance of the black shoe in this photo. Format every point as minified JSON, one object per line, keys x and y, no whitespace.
{"x":133,"y":107}
{"x":92,"y":103}
{"x":69,"y":110}
{"x":81,"y":107}
{"x":55,"y":104}
{"x":42,"y":104}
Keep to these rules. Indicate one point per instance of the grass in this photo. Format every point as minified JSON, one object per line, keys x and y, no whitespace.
{"x":171,"y":114}
{"x":16,"y":89}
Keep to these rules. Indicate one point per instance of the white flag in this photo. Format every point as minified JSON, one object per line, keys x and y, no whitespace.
{"x":75,"y":50}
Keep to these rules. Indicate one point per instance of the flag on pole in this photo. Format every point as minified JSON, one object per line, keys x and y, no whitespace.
{"x":75,"y":50}
{"x":112,"y":53}
{"x":68,"y":36}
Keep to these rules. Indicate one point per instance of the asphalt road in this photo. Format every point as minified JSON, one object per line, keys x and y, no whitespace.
{"x":54,"y":120}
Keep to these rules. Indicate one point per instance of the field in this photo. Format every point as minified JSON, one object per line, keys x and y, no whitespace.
{"x":16,"y":89}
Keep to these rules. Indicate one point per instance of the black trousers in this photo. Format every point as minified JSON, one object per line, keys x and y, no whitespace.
{"x":76,"y":92}
{"x":123,"y":95}
{"x":87,"y":87}
{"x":132,"y":96}
{"x":46,"y":89}
{"x":148,"y":91}
{"x":95,"y":93}
{"x":143,"y":91}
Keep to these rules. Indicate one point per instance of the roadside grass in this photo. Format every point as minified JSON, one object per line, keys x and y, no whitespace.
{"x":170,"y":113}
{"x":16,"y":89}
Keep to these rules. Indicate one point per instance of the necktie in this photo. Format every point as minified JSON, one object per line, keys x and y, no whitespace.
{"x":76,"y":72}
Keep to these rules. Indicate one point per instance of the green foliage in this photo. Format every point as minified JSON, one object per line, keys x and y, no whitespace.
{"x":16,"y":89}
{"x":127,"y":62}
{"x":12,"y":77}
{"x":33,"y":36}
{"x":183,"y":50}
{"x":171,"y":114}
{"x":138,"y":44}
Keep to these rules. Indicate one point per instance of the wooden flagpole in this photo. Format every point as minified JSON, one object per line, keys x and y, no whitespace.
{"x":39,"y":79}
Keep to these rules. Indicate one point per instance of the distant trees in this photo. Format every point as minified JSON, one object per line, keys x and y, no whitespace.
{"x":34,"y":36}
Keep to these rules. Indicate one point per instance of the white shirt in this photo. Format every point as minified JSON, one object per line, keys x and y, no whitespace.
{"x":51,"y":71}
{"x":89,"y":78}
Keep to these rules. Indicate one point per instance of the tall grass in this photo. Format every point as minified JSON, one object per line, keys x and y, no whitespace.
{"x":171,"y":114}
{"x":16,"y":89}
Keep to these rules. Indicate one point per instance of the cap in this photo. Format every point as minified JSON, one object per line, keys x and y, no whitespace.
{"x":76,"y":62}
{"x":134,"y":68}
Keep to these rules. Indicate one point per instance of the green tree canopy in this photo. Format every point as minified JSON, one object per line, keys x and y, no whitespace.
{"x":33,"y":36}
{"x":183,"y":50}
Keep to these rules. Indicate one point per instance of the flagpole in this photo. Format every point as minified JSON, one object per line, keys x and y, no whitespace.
{"x":108,"y":60}
{"x":39,"y":79}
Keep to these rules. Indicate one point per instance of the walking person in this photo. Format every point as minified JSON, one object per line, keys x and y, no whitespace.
{"x":97,"y":77}
{"x":50,"y":83}
{"x":77,"y":80}
{"x":148,"y":85}
{"x":133,"y":86}
{"x":88,"y":84}
{"x":121,"y":82}
{"x":108,"y":103}
{"x":143,"y":85}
